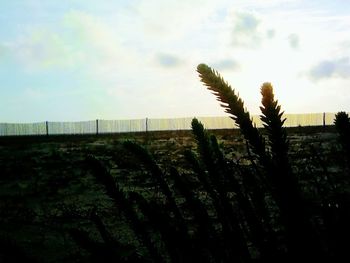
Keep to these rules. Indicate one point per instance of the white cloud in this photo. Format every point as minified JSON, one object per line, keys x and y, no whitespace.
{"x":80,"y":41}
{"x":172,"y":19}
{"x":226,"y":64}
{"x":246,"y":30}
{"x":168,"y":61}
{"x":270,"y":33}
{"x":338,"y":68}
{"x":293,"y":41}
{"x":42,"y":49}
{"x":149,"y":50}
{"x":91,"y":30}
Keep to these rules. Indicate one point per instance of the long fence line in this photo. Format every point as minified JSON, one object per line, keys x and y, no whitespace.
{"x":142,"y":125}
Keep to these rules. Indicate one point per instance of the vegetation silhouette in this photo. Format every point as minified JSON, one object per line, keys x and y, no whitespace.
{"x":234,"y":221}
{"x":266,"y":207}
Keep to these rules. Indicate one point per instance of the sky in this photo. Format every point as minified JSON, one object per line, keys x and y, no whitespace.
{"x":77,"y":60}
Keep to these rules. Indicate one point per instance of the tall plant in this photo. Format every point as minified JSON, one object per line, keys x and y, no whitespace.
{"x":342,"y":124}
{"x":234,"y":105}
{"x":277,"y":173}
{"x":248,"y":213}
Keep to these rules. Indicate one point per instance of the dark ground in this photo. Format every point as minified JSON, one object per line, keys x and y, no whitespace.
{"x":47,"y":189}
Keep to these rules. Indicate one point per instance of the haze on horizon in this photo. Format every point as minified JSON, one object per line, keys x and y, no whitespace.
{"x":82,"y":59}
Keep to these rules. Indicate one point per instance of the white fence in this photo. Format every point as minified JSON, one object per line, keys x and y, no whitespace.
{"x":140,"y":125}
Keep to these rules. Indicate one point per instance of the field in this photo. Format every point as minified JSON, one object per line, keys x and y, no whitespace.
{"x":54,"y":209}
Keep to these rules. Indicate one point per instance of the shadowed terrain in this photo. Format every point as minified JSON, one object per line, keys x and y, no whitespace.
{"x":270,"y":194}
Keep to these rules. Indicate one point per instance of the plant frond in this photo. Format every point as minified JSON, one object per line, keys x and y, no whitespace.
{"x":233,"y":105}
{"x":273,"y":122}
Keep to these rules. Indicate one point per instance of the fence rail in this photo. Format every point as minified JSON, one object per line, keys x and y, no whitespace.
{"x":142,"y":125}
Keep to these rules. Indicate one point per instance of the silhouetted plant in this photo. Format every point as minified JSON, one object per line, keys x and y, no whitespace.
{"x":273,"y":123}
{"x":244,"y":220}
{"x":234,"y":105}
{"x":232,"y":231}
{"x":206,"y":237}
{"x":123,"y":202}
{"x":342,"y":124}
{"x":264,"y":206}
{"x":279,"y":179}
{"x":338,"y":210}
{"x":181,"y":234}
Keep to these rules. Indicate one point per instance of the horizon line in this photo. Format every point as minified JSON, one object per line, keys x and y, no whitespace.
{"x":161,"y":118}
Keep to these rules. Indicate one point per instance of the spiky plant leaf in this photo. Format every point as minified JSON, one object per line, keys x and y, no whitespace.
{"x":233,"y":105}
{"x":146,"y":158}
{"x":120,"y":198}
{"x":273,"y":123}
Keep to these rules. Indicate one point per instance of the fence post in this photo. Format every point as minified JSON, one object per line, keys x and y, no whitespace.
{"x":96,"y":126}
{"x":47,"y":128}
{"x":324,"y":120}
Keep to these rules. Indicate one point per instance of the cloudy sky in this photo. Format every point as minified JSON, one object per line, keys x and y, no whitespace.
{"x":72,"y":60}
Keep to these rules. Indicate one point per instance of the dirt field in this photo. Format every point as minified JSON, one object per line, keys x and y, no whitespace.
{"x":46,"y":187}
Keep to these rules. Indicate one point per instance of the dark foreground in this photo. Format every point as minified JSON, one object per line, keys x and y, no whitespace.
{"x":194,"y":199}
